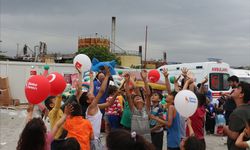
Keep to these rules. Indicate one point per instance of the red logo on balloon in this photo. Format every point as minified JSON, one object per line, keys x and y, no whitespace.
{"x":57,"y":83}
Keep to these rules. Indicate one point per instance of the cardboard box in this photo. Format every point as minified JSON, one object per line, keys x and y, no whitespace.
{"x":4,"y":83}
{"x":5,"y":101}
{"x":4,"y":93}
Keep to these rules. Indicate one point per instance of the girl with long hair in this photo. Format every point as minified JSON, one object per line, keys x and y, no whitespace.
{"x":35,"y":136}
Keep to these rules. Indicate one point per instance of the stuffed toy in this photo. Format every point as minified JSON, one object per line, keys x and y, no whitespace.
{"x":99,"y":66}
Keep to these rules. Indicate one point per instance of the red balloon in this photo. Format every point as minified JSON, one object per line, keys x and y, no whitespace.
{"x":37,"y":89}
{"x":153,"y":75}
{"x":57,"y":83}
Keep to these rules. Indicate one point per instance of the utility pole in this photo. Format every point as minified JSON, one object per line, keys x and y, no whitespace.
{"x":17,"y":49}
{"x":140,"y":53}
{"x":0,"y":46}
{"x":113,"y":26}
{"x":146,"y":43}
{"x":165,"y":57}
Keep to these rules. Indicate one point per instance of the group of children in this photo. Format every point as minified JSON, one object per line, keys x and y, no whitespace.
{"x":133,"y":115}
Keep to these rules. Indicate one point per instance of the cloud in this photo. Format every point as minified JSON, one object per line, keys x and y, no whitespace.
{"x":189,"y":31}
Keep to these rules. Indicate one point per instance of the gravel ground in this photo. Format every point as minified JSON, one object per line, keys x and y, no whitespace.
{"x":13,"y":121}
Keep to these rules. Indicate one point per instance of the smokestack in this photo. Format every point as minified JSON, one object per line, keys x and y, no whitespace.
{"x":165,"y":56}
{"x":112,"y":49}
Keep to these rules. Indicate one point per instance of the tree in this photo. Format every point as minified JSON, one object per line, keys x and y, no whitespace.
{"x":2,"y":56}
{"x":100,"y":53}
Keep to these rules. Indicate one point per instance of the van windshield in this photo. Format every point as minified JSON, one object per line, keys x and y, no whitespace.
{"x":218,"y":81}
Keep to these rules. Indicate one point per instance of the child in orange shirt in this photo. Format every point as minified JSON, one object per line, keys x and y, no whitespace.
{"x":79,"y":128}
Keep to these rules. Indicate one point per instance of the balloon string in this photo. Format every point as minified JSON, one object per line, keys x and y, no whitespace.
{"x":45,"y":73}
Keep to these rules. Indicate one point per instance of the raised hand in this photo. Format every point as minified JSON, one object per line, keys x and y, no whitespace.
{"x":144,"y":75}
{"x":165,"y":72}
{"x":177,"y":79}
{"x":107,"y":71}
{"x":245,"y":132}
{"x":68,"y":109}
{"x":132,"y":77}
{"x":126,"y":77}
{"x":30,"y":112}
{"x":205,"y":80}
{"x":126,"y":82}
{"x":30,"y":108}
{"x":91,"y":75}
{"x":190,"y":80}
{"x":184,"y":71}
{"x":189,"y":122}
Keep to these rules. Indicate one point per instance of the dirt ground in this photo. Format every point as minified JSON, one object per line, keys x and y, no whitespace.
{"x":13,"y":121}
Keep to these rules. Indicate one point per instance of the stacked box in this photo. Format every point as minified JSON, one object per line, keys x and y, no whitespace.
{"x":4,"y":83}
{"x":5,"y":96}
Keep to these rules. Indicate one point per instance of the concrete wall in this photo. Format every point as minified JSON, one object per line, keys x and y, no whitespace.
{"x":128,"y":60}
{"x":19,"y":72}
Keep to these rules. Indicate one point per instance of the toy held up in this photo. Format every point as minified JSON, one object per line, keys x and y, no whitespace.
{"x":99,"y":66}
{"x":82,"y":62}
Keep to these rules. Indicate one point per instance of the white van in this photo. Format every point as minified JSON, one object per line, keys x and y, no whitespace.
{"x":243,"y":75}
{"x":217,"y":72}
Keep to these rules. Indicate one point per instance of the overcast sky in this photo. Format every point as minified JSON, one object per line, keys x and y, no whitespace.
{"x":188,"y":30}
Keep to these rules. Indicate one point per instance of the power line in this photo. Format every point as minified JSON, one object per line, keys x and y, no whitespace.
{"x":118,"y":46}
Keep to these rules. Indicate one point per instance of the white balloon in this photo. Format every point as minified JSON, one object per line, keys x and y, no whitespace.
{"x":84,"y":62}
{"x":186,"y":103}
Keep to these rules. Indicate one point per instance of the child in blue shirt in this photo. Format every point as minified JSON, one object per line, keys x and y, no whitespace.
{"x":210,"y":117}
{"x":156,"y":128}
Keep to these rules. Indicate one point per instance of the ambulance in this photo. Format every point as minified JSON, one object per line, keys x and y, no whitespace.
{"x":217,"y":73}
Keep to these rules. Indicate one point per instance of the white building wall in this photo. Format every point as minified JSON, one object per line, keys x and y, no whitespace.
{"x":19,"y":72}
